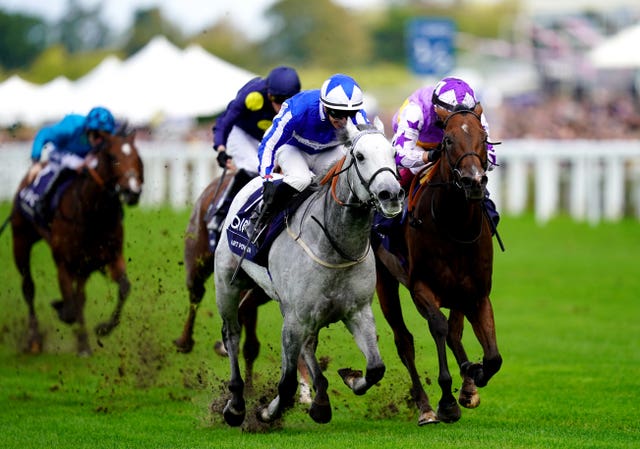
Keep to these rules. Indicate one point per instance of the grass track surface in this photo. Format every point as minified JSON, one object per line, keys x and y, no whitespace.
{"x":567,"y":310}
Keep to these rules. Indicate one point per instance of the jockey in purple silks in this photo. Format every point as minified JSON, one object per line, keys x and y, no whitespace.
{"x":418,"y":131}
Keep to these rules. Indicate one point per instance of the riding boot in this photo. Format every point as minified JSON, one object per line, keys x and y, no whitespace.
{"x":492,"y":212}
{"x":241,"y":178}
{"x":282,"y":195}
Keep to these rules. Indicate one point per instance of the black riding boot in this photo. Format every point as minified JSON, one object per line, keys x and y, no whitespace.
{"x":240,"y":179}
{"x":274,"y":203}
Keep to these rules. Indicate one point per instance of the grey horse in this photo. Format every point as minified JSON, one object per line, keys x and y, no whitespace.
{"x":333,"y":278}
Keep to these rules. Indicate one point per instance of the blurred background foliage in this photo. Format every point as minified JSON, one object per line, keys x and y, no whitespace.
{"x":326,"y":38}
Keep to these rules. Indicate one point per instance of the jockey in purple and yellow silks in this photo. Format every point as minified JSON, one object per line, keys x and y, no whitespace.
{"x":302,"y":139}
{"x":418,"y":130}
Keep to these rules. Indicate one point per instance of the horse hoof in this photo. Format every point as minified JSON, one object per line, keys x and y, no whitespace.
{"x":449,"y":413}
{"x":469,"y":399}
{"x":103,"y":329}
{"x":184,"y":346}
{"x":320,"y":413}
{"x":429,"y":417}
{"x":64,"y":315}
{"x":350,"y":377}
{"x":262,"y":414}
{"x":219,"y":349}
{"x":231,"y":416}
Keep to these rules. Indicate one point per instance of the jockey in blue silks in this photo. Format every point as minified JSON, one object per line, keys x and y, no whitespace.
{"x":239,"y":129}
{"x":302,"y":138}
{"x":65,"y":144}
{"x":418,"y":130}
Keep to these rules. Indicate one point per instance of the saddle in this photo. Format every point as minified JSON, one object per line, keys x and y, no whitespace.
{"x":29,"y":195}
{"x":240,"y":234}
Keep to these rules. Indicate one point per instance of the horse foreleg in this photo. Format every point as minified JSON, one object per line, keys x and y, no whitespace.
{"x":387,"y":289}
{"x":292,"y":338}
{"x":80,"y":328}
{"x":468,"y":396}
{"x":119,"y":275}
{"x":484,"y":327}
{"x":448,"y":409}
{"x":320,"y":409}
{"x":363,"y":328}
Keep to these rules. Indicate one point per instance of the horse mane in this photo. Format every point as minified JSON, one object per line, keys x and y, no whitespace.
{"x":123,"y":129}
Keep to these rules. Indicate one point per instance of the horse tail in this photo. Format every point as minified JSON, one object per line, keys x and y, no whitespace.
{"x":4,"y":225}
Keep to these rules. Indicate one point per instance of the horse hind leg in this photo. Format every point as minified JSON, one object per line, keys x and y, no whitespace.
{"x":387,"y":289}
{"x":199,"y":267}
{"x":22,"y":257}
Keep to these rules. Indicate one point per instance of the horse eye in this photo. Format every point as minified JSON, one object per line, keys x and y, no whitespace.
{"x":360,"y":157}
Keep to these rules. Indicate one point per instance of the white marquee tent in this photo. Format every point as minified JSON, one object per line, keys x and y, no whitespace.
{"x":620,"y":51}
{"x":160,"y":82}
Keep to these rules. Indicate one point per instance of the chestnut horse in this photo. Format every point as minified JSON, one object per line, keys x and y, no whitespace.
{"x":85,"y":234}
{"x":449,"y":257}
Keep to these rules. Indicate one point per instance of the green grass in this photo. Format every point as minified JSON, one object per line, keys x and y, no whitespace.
{"x":566,"y":302}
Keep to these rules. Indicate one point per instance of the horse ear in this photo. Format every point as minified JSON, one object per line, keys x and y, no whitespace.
{"x":442,"y":113}
{"x":478,"y":109}
{"x":378,"y":124}
{"x":352,"y":129}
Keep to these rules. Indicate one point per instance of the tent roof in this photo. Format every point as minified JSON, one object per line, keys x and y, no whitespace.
{"x":158,"y":82}
{"x":620,"y":51}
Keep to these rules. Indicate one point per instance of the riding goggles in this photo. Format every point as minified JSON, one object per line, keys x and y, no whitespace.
{"x":339,"y":114}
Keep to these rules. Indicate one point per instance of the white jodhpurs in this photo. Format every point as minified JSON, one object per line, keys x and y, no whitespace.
{"x":243,"y":148}
{"x":299,"y":168}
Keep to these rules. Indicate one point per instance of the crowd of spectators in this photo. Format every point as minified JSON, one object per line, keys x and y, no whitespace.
{"x":594,"y":116}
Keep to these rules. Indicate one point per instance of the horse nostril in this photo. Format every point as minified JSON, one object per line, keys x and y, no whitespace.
{"x":385,"y":195}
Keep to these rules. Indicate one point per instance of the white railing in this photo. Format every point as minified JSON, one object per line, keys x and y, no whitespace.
{"x":588,"y":180}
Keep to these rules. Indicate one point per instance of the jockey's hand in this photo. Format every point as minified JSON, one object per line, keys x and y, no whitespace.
{"x":268,"y":191}
{"x":222,"y":158}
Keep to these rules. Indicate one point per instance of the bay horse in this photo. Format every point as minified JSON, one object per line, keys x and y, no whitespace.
{"x":448,"y":252}
{"x":320,"y":269}
{"x":85,"y":235}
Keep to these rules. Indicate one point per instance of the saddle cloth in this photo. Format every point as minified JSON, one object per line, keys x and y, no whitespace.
{"x":29,"y":195}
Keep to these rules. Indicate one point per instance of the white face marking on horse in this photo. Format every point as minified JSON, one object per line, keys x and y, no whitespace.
{"x":126,"y":149}
{"x":133,"y":185}
{"x":465,"y":128}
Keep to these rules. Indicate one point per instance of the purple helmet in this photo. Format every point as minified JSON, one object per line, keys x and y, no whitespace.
{"x":283,"y":82}
{"x":451,"y":92}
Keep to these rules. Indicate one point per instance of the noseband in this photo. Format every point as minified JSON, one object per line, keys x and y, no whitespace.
{"x":371,"y":202}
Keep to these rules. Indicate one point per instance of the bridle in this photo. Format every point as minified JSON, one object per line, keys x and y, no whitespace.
{"x":337,"y":170}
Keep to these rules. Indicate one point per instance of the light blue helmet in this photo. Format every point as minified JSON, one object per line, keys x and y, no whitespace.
{"x":341,"y":92}
{"x":100,"y":119}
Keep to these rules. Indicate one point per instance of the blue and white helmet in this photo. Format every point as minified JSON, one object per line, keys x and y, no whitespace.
{"x":341,"y":92}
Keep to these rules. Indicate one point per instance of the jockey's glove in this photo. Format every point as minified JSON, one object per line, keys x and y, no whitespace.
{"x":268,"y":191}
{"x":222,"y":158}
{"x":433,"y":155}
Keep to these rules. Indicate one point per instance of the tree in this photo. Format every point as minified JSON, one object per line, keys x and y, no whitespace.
{"x":147,"y":24}
{"x":22,"y":38}
{"x":325,"y":34}
{"x":82,"y":28}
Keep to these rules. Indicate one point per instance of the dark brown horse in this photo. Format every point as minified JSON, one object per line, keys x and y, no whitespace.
{"x":449,"y":262}
{"x":85,"y":235}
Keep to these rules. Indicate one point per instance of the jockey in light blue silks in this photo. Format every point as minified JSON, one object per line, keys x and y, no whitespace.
{"x":238,"y":131}
{"x":66,"y":144}
{"x":418,"y":131}
{"x":302,"y":139}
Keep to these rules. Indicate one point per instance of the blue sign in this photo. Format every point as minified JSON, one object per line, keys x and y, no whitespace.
{"x":430,"y":46}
